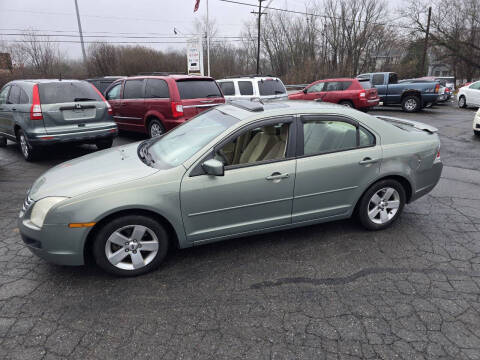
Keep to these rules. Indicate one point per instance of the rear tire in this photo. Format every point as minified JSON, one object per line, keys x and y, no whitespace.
{"x":382,"y":204}
{"x":145,"y":239}
{"x":462,"y":102}
{"x":347,"y":103}
{"x":477,"y":133}
{"x":3,"y":141}
{"x":28,"y":151}
{"x":104,"y":144}
{"x":155,"y":128}
{"x":411,"y":103}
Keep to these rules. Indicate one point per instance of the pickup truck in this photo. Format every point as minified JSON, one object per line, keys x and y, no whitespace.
{"x":412,"y":96}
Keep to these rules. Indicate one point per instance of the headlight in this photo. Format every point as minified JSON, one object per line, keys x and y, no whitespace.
{"x":41,"y":209}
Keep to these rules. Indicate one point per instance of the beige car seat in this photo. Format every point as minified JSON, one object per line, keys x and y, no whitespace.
{"x":259,"y":146}
{"x":278,"y":150}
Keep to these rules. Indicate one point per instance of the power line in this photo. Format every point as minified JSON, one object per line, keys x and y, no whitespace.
{"x":120,"y":36}
{"x":116,"y":42}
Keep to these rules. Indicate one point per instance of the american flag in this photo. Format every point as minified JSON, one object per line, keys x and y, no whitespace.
{"x":197,"y":4}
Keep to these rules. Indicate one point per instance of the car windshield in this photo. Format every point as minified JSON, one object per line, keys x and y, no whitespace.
{"x":183,"y":142}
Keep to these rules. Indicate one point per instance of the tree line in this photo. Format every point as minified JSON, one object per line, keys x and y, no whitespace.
{"x":334,"y":38}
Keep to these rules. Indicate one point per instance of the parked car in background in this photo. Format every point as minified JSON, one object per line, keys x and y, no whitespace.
{"x":354,"y":93}
{"x":476,"y":123}
{"x":102,"y":83}
{"x":253,"y":87}
{"x":35,"y":113}
{"x":239,"y":169}
{"x":155,"y":104}
{"x":449,"y":81}
{"x":411,"y":96}
{"x":469,"y":95}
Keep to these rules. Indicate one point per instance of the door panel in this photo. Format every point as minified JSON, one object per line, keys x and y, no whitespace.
{"x":241,"y":201}
{"x":4,"y":109}
{"x":330,"y":184}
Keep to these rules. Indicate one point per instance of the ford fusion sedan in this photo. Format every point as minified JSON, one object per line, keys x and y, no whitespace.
{"x":234,"y":170}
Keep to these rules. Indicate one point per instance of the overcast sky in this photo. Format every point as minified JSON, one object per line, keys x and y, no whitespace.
{"x":136,"y":18}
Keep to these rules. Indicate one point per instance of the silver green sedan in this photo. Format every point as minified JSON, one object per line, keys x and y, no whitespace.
{"x":236,"y":170}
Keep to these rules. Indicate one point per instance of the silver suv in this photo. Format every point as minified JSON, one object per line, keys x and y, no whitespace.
{"x":35,"y":113}
{"x":253,"y":87}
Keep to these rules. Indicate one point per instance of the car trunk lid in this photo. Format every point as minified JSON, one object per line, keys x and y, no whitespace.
{"x":408,"y":123}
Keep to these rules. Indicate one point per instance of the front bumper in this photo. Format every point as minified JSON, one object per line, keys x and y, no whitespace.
{"x":476,"y":122}
{"x":81,"y":135}
{"x":57,"y":244}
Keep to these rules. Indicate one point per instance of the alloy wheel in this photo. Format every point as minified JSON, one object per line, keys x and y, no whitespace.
{"x":156,"y":130}
{"x":131,"y":247}
{"x":410,"y":104}
{"x":24,"y":146}
{"x":383,"y":205}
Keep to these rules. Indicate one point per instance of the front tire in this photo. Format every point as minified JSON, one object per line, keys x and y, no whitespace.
{"x":477,"y":133}
{"x":130,"y":245}
{"x":104,"y":144}
{"x":462,"y":102}
{"x":382,"y":204}
{"x":411,"y":103}
{"x":155,"y":128}
{"x":28,"y":151}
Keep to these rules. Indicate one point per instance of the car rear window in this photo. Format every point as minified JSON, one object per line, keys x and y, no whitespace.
{"x":365,"y":83}
{"x":228,"y":87}
{"x":198,"y":89}
{"x":67,"y":92}
{"x":271,"y":87}
{"x":245,"y":87}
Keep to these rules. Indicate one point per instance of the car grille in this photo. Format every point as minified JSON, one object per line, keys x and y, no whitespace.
{"x":27,"y":203}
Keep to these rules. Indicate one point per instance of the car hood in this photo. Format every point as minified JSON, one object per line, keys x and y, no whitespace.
{"x":92,"y":172}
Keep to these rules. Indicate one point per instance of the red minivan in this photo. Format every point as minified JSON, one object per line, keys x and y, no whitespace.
{"x":356,"y":93}
{"x":156,"y":104}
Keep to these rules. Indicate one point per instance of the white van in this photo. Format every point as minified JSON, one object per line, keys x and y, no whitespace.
{"x":253,"y":87}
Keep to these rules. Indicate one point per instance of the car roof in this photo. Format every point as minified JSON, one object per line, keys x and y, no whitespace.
{"x":42,"y":81}
{"x":340,"y":79}
{"x":175,"y":77}
{"x":252,"y":78}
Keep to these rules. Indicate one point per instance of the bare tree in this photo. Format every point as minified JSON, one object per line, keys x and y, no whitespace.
{"x":39,"y":53}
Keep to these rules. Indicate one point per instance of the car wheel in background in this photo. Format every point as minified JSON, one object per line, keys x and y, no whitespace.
{"x":476,"y":132}
{"x":3,"y":141}
{"x":462,"y":102}
{"x":28,"y":151}
{"x":155,"y":128}
{"x":104,"y":143}
{"x":411,"y":103}
{"x":130,"y":245}
{"x":347,"y":103}
{"x":381,"y":204}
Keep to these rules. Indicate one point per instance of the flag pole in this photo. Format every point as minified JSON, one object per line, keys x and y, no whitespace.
{"x":208,"y":43}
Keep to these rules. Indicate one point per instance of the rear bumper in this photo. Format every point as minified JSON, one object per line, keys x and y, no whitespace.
{"x":367,"y":103}
{"x":57,"y":244}
{"x":80,"y":135}
{"x":433,"y":177}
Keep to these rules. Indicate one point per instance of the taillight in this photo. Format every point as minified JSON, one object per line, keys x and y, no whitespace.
{"x":437,"y":88}
{"x":362,"y":94}
{"x":109,"y":108}
{"x":177,"y":109}
{"x":438,"y":154}
{"x":36,"y":108}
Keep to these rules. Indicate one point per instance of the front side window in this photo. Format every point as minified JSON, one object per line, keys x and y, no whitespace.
{"x":181,"y":143}
{"x":133,"y":89}
{"x":4,"y":94}
{"x":263,"y":143}
{"x":245,"y":87}
{"x":228,"y":88}
{"x":325,"y":136}
{"x":156,"y":89}
{"x":316,"y":88}
{"x":475,"y":86}
{"x":114,"y":92}
{"x":392,"y":78}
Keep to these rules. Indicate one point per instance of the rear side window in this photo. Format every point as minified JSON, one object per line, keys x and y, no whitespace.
{"x":322,"y":137}
{"x":377,"y":79}
{"x":366,"y":138}
{"x":271,"y":87}
{"x":197,"y":89}
{"x":14,"y":96}
{"x":228,"y":88}
{"x":246,"y":87}
{"x":366,"y":84}
{"x":23,"y":97}
{"x":133,"y":89}
{"x":336,"y":86}
{"x":346,"y":85}
{"x":156,"y":89}
{"x":66,"y":92}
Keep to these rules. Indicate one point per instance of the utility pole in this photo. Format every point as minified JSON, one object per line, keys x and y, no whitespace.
{"x":258,"y":33}
{"x":427,"y":33}
{"x":81,"y":34}
{"x":208,"y":43}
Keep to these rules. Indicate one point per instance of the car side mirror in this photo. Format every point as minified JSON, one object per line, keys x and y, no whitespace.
{"x":214,"y":167}
{"x":305,"y":90}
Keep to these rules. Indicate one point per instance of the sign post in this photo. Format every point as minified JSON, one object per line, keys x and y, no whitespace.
{"x":195,"y":56}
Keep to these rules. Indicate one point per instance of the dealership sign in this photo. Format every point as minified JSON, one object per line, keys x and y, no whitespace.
{"x":195,"y":56}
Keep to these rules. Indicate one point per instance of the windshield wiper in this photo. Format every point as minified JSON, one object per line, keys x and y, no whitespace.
{"x":83,"y":99}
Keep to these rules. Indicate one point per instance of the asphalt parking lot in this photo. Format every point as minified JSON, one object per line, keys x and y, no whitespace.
{"x":332,"y":291}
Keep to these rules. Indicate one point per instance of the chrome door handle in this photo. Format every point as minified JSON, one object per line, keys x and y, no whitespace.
{"x":277,"y":176}
{"x":368,"y":160}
